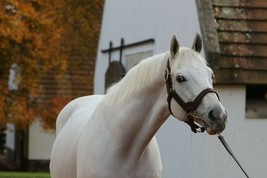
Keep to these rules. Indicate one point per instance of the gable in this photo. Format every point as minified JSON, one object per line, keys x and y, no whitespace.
{"x":235,"y":39}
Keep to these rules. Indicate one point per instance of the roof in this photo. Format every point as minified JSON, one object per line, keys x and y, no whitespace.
{"x":235,"y":39}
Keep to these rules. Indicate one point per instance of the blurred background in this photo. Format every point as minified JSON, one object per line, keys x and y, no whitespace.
{"x":47,"y":58}
{"x":54,"y":51}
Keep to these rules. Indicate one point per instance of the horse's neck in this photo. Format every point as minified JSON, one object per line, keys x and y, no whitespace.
{"x":148,"y":113}
{"x":138,"y":118}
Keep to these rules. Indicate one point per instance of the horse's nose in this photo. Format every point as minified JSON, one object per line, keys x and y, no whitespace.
{"x":218,"y":114}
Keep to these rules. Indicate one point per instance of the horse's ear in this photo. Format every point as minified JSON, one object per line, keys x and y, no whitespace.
{"x":197,"y":45}
{"x":174,"y":48}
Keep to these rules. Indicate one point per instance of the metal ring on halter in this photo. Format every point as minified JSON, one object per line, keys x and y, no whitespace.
{"x":166,"y":75}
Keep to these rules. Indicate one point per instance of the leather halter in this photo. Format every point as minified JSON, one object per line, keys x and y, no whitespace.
{"x":189,"y":107}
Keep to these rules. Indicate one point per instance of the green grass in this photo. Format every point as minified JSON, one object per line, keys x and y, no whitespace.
{"x":23,"y":175}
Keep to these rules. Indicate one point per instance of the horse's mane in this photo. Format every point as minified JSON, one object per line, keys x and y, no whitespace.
{"x":137,"y":78}
{"x":143,"y":74}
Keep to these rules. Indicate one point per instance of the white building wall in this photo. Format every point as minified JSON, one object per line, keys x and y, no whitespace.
{"x":184,"y":154}
{"x":40,"y":142}
{"x":138,"y":20}
{"x":10,"y":136}
{"x":247,"y":138}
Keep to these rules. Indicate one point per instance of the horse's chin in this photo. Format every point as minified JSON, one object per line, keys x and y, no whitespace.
{"x":216,"y":129}
{"x":211,"y":131}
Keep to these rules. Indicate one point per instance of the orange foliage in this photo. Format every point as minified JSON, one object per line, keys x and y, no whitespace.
{"x":40,"y":36}
{"x":52,"y":108}
{"x":19,"y":112}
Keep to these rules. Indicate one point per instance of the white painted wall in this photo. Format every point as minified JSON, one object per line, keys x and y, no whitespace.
{"x":247,"y":138}
{"x":40,"y":142}
{"x":10,"y":136}
{"x":138,"y":20}
{"x":184,"y":154}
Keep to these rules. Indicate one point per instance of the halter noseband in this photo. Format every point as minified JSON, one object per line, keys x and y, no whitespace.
{"x":189,"y":107}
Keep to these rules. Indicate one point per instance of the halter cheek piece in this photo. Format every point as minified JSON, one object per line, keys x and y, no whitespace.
{"x":189,"y":107}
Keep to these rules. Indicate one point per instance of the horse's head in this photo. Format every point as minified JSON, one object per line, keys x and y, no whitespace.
{"x":189,"y":85}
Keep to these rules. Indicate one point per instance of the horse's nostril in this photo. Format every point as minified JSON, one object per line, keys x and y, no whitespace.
{"x":211,"y":116}
{"x":215,"y":115}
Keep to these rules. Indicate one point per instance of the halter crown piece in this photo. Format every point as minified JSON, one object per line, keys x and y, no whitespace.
{"x":189,"y":107}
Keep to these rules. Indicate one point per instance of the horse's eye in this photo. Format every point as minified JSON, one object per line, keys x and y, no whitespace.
{"x":180,"y":79}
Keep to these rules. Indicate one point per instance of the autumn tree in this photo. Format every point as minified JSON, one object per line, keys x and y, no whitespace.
{"x":47,"y":40}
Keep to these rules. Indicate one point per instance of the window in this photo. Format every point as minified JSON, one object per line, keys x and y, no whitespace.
{"x":133,"y":59}
{"x":256,"y":101}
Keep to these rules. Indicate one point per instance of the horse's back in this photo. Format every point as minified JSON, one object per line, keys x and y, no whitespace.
{"x":76,"y":105}
{"x":70,"y":123}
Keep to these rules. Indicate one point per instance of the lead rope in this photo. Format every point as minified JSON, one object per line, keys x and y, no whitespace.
{"x":226,"y":146}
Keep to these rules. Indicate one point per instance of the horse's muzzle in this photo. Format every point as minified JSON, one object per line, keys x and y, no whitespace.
{"x":217,"y":121}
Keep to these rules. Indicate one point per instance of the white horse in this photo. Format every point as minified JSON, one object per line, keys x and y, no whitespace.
{"x":113,"y":135}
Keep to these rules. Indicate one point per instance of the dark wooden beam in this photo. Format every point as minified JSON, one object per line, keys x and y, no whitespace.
{"x":147,"y":41}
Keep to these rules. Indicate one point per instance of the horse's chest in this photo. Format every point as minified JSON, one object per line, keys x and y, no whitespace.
{"x":104,"y":163}
{"x":119,"y":170}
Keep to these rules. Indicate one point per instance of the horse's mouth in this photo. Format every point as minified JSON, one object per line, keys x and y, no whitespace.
{"x":217,"y":129}
{"x":211,"y":129}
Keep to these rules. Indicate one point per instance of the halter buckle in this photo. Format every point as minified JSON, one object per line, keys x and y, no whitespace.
{"x":167,"y":74}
